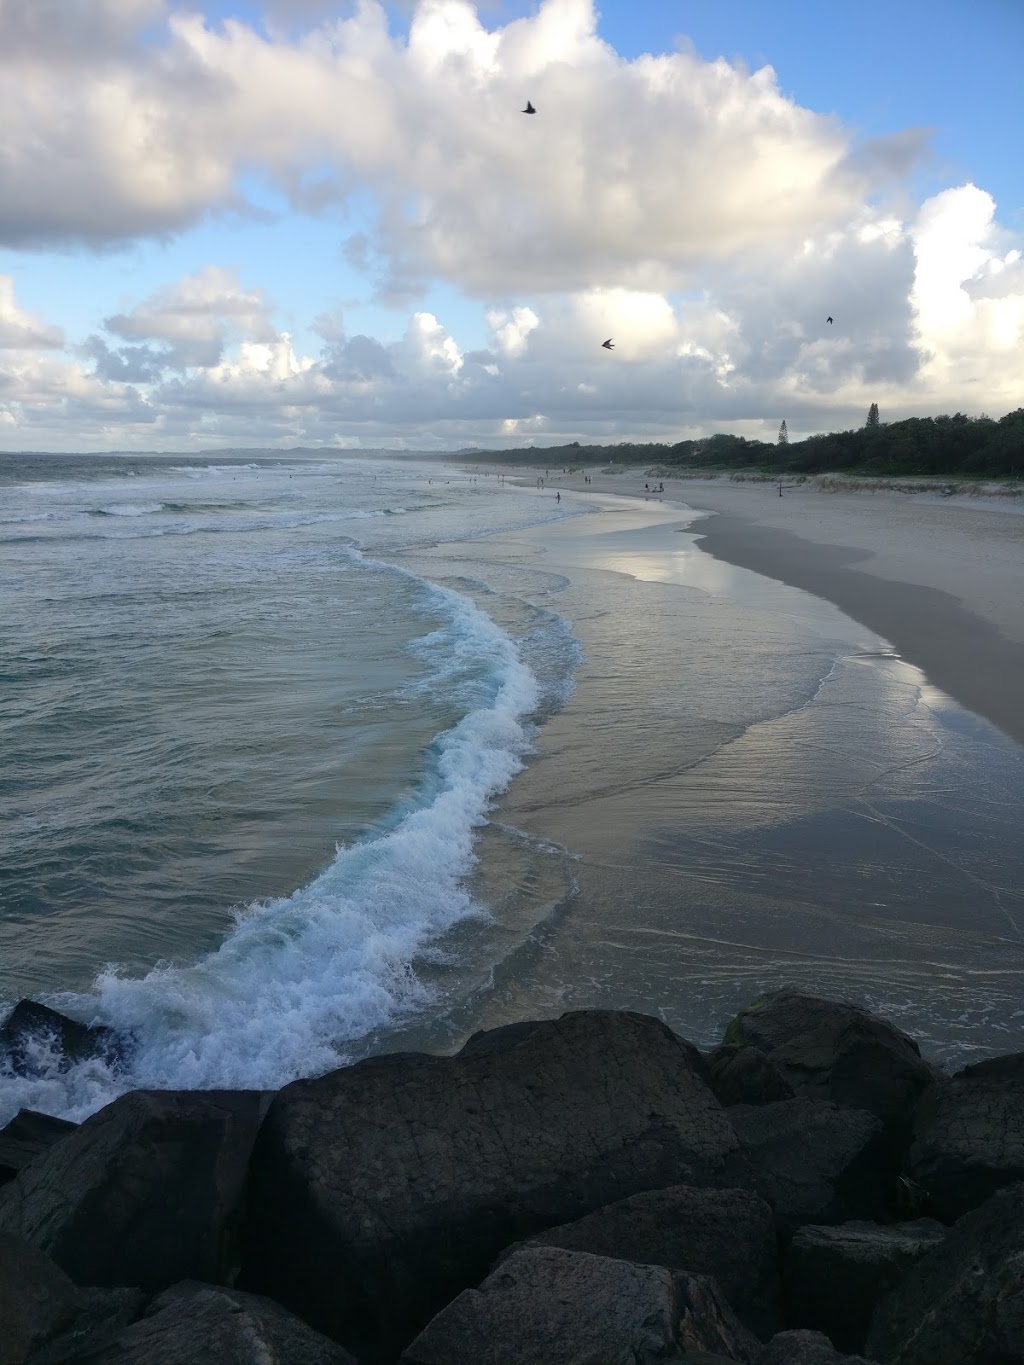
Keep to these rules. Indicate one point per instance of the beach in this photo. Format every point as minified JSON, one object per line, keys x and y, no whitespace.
{"x":319,"y":758}
{"x":791,"y":757}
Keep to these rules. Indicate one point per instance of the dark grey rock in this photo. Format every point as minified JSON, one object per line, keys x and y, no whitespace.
{"x":963,"y":1303}
{"x":835,"y":1276}
{"x":33,"y":1032}
{"x":209,"y":1325}
{"x":381,"y":1190}
{"x":26,"y":1136}
{"x":833,"y":1050}
{"x":143,"y":1193}
{"x":37,"y":1300}
{"x":568,"y":1307}
{"x":803,"y":1347}
{"x":744,"y":1075}
{"x":969,"y":1136}
{"x":813,"y":1162}
{"x":727,"y":1234}
{"x":103,"y":1314}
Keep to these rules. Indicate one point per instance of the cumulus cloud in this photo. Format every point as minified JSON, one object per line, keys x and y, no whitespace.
{"x":968,"y":298}
{"x":632,"y":173}
{"x":686,"y":208}
{"x":19,"y":330}
{"x":196,"y":317}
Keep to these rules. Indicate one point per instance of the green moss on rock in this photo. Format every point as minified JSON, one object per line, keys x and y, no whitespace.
{"x":734,"y":1033}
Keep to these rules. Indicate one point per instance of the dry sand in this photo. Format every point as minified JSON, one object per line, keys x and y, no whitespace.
{"x":941,"y":579}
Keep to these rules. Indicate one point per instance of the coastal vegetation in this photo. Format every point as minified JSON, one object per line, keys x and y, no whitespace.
{"x":967,"y":447}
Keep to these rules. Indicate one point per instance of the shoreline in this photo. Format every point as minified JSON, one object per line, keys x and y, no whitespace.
{"x":940,"y":579}
{"x":958,"y":651}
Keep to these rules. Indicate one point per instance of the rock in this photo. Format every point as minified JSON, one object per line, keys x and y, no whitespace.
{"x":381,"y":1190}
{"x":568,"y":1307}
{"x":727,"y":1234}
{"x":143,"y":1193}
{"x":834,"y":1276}
{"x":103,"y":1315}
{"x":201,"y":1324}
{"x":743,"y":1075}
{"x":963,"y":1303}
{"x":805,"y":1348}
{"x":34,"y":1036}
{"x":833,"y":1050}
{"x":26,"y":1136}
{"x":37,"y":1300}
{"x":969,"y":1136}
{"x":813,"y":1162}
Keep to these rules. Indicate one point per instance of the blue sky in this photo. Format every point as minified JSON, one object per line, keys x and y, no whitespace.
{"x":443,"y":292}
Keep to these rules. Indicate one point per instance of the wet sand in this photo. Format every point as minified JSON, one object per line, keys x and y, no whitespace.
{"x":940,"y":579}
{"x":751,"y":786}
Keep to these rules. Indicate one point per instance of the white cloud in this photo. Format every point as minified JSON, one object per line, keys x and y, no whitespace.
{"x":968,"y":298}
{"x":685,"y":208}
{"x":631,"y":174}
{"x":197,"y":316}
{"x":19,"y":330}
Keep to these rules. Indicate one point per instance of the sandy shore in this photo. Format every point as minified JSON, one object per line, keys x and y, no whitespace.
{"x":749,"y":786}
{"x":941,"y":579}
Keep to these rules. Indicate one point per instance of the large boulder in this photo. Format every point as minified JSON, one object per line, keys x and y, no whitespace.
{"x":143,"y":1193}
{"x":834,"y":1050}
{"x":727,"y":1234}
{"x":804,"y":1347}
{"x":963,"y":1303}
{"x":568,"y":1307}
{"x":103,"y":1315}
{"x":201,"y":1324}
{"x":969,"y":1136}
{"x":27,"y":1136}
{"x":381,"y":1190}
{"x":743,"y":1075}
{"x":813,"y":1162}
{"x":37,"y":1300}
{"x":833,"y":1277}
{"x":34,"y":1037}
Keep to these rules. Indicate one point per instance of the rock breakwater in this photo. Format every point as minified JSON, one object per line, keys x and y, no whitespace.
{"x":589,"y":1190}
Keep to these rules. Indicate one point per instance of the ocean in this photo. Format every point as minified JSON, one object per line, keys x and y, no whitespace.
{"x":309,"y":757}
{"x":246,"y":751}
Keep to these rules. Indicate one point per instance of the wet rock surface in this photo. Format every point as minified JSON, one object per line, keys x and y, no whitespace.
{"x":969,"y":1136}
{"x":548,"y":1304}
{"x":143,"y":1193}
{"x":834,"y":1277}
{"x":396,"y":1182}
{"x":561,"y":1190}
{"x":833,"y":1050}
{"x":726,"y":1234}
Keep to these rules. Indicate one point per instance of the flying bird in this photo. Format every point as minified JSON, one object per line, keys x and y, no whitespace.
{"x":608,"y":346}
{"x":828,"y":319}
{"x":529,"y":108}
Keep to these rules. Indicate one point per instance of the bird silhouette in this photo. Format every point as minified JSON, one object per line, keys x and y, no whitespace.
{"x":608,"y":345}
{"x":529,"y":108}
{"x":828,"y":319}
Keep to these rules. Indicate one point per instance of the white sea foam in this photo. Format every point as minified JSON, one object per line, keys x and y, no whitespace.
{"x":129,"y":509}
{"x":300,"y":976}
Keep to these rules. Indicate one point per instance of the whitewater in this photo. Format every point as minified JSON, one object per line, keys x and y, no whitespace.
{"x":248,"y":753}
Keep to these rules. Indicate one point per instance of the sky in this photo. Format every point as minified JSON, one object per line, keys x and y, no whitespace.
{"x":279,"y":223}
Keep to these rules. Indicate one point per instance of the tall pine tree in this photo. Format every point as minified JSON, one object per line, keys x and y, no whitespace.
{"x":783,"y":434}
{"x":873,"y":416}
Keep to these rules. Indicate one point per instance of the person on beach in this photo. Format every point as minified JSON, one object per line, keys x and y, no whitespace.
{"x":558,"y":497}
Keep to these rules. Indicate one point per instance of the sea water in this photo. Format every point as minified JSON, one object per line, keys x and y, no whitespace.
{"x":246,"y":752}
{"x":313,"y":757}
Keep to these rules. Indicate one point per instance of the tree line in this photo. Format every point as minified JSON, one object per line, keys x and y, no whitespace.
{"x":980,"y":447}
